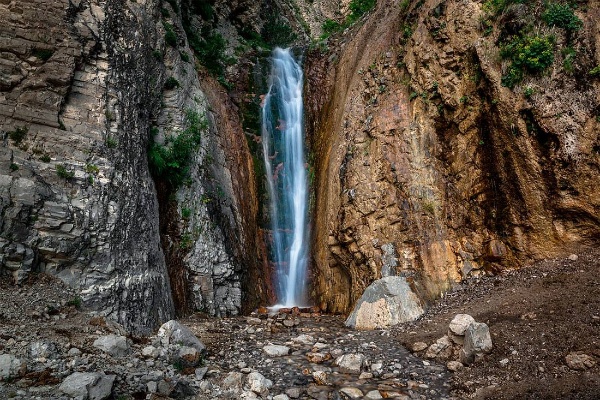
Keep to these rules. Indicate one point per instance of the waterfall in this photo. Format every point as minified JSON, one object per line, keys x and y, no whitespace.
{"x":283,"y":150}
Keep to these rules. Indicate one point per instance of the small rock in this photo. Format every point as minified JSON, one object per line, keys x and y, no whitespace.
{"x":320,"y":377}
{"x":304,"y":339}
{"x":454,"y":365}
{"x":43,"y":349}
{"x":200,"y":372}
{"x":150,"y":352}
{"x":504,"y":362}
{"x":259,"y":384}
{"x":365,"y":375}
{"x":352,"y":392}
{"x":74,"y":352}
{"x":573,"y":257}
{"x":114,"y":345}
{"x":460,"y":323}
{"x":275,"y":350}
{"x":233,"y":381}
{"x":580,"y":361}
{"x":419,"y":346}
{"x":173,"y":332}
{"x":88,"y":385}
{"x":293,"y":393}
{"x":11,"y":366}
{"x":351,"y":363}
{"x":373,"y":395}
{"x":317,"y":358}
{"x":441,"y":349}
{"x":281,"y":397}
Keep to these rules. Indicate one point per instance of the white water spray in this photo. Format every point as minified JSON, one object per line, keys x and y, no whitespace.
{"x":283,"y":149}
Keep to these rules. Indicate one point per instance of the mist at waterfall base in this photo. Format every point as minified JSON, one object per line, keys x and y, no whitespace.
{"x":283,"y":150}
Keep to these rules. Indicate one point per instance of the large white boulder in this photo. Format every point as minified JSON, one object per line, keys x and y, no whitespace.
{"x":386,"y":302}
{"x":172,"y":332}
{"x":11,"y":366}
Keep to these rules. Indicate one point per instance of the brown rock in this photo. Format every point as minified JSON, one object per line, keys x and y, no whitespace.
{"x":580,"y":361}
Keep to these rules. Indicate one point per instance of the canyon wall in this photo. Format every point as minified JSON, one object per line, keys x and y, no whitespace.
{"x":426,"y":166}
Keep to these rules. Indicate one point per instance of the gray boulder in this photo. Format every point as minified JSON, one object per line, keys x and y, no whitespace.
{"x":351,"y":363}
{"x":88,"y":385}
{"x":11,"y":366}
{"x":259,"y":384}
{"x":172,"y":332}
{"x":386,"y":302}
{"x":275,"y":350}
{"x":114,"y":345}
{"x":477,"y":342}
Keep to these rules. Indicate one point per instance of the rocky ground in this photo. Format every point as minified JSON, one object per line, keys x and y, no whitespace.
{"x":544,"y":323}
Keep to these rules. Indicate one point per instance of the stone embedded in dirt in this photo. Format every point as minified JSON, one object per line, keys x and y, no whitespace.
{"x":275,"y":350}
{"x":477,"y":342}
{"x":351,"y":363}
{"x":150,"y":352}
{"x":418,"y":346}
{"x":259,"y":384}
{"x":365,"y":375}
{"x":11,"y":366}
{"x":573,"y":257}
{"x":441,"y":349}
{"x":293,"y":393}
{"x":386,"y":302}
{"x":454,"y":365}
{"x":114,"y":345}
{"x":460,"y":323}
{"x":580,"y":361}
{"x":253,"y":321}
{"x":172,"y":332}
{"x":43,"y":349}
{"x":352,"y":392}
{"x":88,"y":385}
{"x":320,"y":377}
{"x":281,"y":397}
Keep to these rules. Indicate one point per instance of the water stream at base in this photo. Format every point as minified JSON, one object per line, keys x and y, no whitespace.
{"x":283,"y":150}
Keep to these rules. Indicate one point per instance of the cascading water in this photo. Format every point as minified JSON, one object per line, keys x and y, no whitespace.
{"x":283,"y":149}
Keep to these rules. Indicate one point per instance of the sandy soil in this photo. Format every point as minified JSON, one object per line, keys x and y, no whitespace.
{"x":537,"y":315}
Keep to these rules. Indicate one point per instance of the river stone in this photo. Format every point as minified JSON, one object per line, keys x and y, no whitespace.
{"x":11,"y":366}
{"x":88,"y":385}
{"x":259,"y":384}
{"x":114,"y":345}
{"x":373,"y":395}
{"x":172,"y":332}
{"x":351,"y":363}
{"x":233,"y":381}
{"x":275,"y":350}
{"x":477,"y":342}
{"x":281,"y":397}
{"x":386,"y":302}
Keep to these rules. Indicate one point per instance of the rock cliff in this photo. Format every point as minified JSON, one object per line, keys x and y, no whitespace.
{"x":429,"y":164}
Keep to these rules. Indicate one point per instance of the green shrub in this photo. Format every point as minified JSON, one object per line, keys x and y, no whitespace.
{"x":210,"y":50}
{"x":568,"y":58}
{"x":186,"y":213}
{"x":111,"y":142}
{"x":561,"y":16}
{"x":75,"y":302}
{"x":204,"y":8}
{"x":13,"y":167}
{"x":61,"y":171}
{"x":158,"y":55}
{"x":170,"y":35}
{"x":171,"y":162}
{"x":184,"y":56}
{"x":45,"y":158}
{"x":174,"y":4}
{"x":330,"y":26}
{"x":18,"y":134}
{"x":495,"y":7}
{"x":528,"y":92}
{"x":171,"y":83}
{"x":92,"y":169}
{"x":358,"y":8}
{"x":595,"y":71}
{"x":277,"y":32}
{"x":529,"y":54}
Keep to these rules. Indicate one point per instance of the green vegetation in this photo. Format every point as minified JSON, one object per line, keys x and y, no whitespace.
{"x":170,"y":35}
{"x":13,"y":167}
{"x":171,"y":83}
{"x":204,"y":8}
{"x":173,"y":4}
{"x":562,"y":16}
{"x":75,"y":302}
{"x":276,"y":32}
{"x":528,"y":92}
{"x":92,"y":169}
{"x":158,"y":55}
{"x":186,"y":213}
{"x":111,"y":142}
{"x":184,"y":56}
{"x":18,"y":134}
{"x":210,"y":50}
{"x":358,"y":8}
{"x":45,"y":158}
{"x":330,"y":26}
{"x":595,"y":71}
{"x":529,"y":54}
{"x":171,"y":161}
{"x":43,"y":54}
{"x":61,"y":171}
{"x":568,"y":58}
{"x":496,"y":7}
